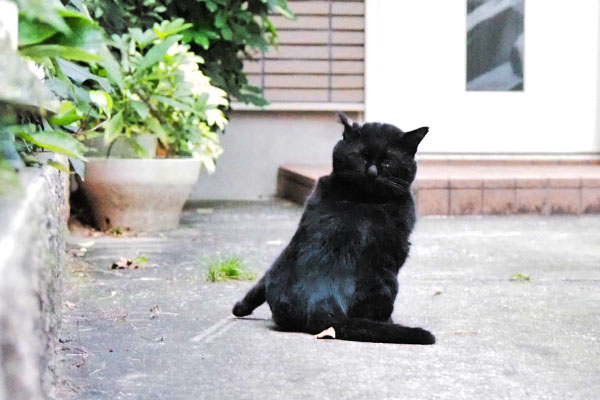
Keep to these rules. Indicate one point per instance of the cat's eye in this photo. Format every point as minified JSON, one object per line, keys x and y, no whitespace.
{"x":385,"y":164}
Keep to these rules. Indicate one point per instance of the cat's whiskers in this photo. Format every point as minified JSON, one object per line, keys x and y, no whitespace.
{"x":395,"y":187}
{"x":398,"y":180}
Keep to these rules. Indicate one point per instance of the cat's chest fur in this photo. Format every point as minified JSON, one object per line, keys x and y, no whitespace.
{"x":359,"y":217}
{"x":358,"y":224}
{"x":361,"y":237}
{"x":349,"y":250}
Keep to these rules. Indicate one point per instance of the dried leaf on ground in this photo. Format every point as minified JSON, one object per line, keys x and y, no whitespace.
{"x":77,"y":252}
{"x":154,"y":312}
{"x":126,"y":263}
{"x":461,"y":333}
{"x":328,"y":333}
{"x":69,"y":305}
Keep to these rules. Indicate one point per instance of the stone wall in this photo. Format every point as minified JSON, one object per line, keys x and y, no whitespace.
{"x":32,"y":250}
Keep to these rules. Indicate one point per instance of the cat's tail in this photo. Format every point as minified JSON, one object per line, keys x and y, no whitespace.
{"x":364,"y":330}
{"x":254,"y":298}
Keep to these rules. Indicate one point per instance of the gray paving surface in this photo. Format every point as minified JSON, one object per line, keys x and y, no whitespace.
{"x":497,"y":338}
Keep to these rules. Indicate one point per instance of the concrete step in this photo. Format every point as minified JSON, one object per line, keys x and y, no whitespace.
{"x":482,"y":187}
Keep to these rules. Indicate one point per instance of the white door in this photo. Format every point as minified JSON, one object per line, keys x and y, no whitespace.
{"x":416,"y":75}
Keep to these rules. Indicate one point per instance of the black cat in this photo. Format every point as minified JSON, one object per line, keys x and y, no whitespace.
{"x":340,"y":269}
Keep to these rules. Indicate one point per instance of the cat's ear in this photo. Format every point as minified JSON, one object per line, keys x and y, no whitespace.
{"x":410,"y":140}
{"x":351,"y":130}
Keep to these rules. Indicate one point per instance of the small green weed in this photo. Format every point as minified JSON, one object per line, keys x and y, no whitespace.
{"x":115,"y":231}
{"x":228,"y":269}
{"x":520,"y":278}
{"x":140,"y":259}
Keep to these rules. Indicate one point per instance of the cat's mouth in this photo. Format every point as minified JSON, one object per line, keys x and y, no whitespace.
{"x":380,"y":183}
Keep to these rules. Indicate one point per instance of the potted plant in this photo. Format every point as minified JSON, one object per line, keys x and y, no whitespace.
{"x":164,"y":97}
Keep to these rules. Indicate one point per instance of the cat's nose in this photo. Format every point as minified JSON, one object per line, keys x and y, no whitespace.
{"x":372,"y":171}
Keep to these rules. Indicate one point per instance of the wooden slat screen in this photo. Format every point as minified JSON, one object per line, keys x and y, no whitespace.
{"x":320,"y":58}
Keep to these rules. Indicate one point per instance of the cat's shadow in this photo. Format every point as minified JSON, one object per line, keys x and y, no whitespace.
{"x":267,"y":321}
{"x":252,"y":319}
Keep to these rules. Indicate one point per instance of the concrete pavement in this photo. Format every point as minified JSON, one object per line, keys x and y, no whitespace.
{"x":163,"y":332}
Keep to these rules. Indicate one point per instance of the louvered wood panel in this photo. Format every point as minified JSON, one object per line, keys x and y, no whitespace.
{"x":297,"y":95}
{"x":320,"y":57}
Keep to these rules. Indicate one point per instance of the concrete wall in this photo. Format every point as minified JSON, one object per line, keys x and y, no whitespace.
{"x":257,"y":142}
{"x":598,"y":85}
{"x":416,"y":63}
{"x":32,"y":249}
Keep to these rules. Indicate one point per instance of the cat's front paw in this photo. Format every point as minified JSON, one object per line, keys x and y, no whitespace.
{"x":240,"y":309}
{"x":422,"y":336}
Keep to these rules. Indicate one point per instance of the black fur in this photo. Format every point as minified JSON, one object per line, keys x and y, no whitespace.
{"x":340,"y":268}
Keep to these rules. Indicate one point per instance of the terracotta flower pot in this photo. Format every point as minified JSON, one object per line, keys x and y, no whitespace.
{"x":139,"y":194}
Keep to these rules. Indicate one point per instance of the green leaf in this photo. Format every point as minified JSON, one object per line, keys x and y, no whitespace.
{"x":86,"y":34}
{"x":57,"y":141}
{"x":113,"y":128}
{"x":202,"y":41}
{"x":208,"y":163}
{"x":43,"y":51}
{"x":113,"y":68}
{"x":140,"y":108}
{"x":73,"y":14}
{"x":283,"y":9}
{"x":140,"y":150}
{"x":67,"y":114}
{"x":226,"y":33}
{"x":81,"y":8}
{"x":45,"y":11}
{"x":154,"y":125}
{"x":202,"y":99}
{"x":168,"y":28}
{"x":102,"y":100}
{"x":212,"y":7}
{"x":78,"y":166}
{"x":58,"y":166}
{"x":174,"y":103}
{"x":80,"y":74}
{"x":143,"y":38}
{"x":34,"y":31}
{"x":220,"y":19}
{"x":155,"y":54}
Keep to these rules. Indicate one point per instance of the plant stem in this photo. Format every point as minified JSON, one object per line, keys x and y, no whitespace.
{"x":110,"y":146}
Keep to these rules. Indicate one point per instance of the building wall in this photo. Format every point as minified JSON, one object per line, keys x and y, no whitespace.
{"x":257,"y":142}
{"x":416,"y":60}
{"x":415,"y":76}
